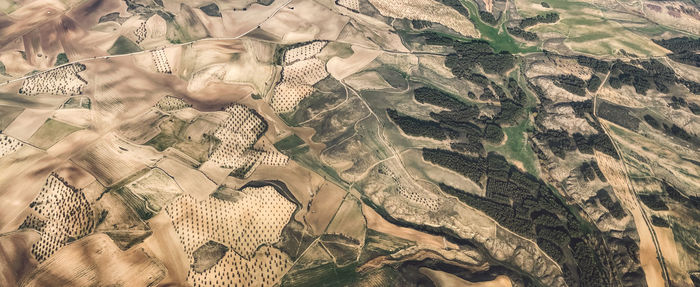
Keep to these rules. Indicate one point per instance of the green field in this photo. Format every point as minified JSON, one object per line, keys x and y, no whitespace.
{"x":50,"y":133}
{"x":123,"y":46}
{"x":289,"y":142}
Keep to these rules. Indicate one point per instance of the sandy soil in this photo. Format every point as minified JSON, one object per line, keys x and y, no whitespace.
{"x":165,"y":246}
{"x":441,"y":279}
{"x":340,"y":68}
{"x":239,"y":22}
{"x":668,"y":248}
{"x":305,"y":20}
{"x":15,"y":258}
{"x":376,"y":222}
{"x":190,"y":180}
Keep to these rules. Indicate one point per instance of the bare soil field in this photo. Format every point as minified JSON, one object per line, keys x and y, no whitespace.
{"x":192,"y":181}
{"x":16,"y":260}
{"x":445,"y":279}
{"x":376,"y":222}
{"x":305,"y":20}
{"x":324,"y":204}
{"x":165,"y":246}
{"x":27,"y":123}
{"x":340,"y":68}
{"x":96,"y":260}
{"x":111,"y":159}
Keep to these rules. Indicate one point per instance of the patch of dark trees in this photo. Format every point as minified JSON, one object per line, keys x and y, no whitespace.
{"x":651,"y":73}
{"x":672,"y":130}
{"x":545,"y":4}
{"x":417,"y":127}
{"x":593,"y":83}
{"x":679,"y":103}
{"x":614,"y":207}
{"x":599,"y":66}
{"x":653,"y":201}
{"x":527,"y":206}
{"x":545,"y":19}
{"x":560,"y":142}
{"x":520,"y":33}
{"x":435,"y":97}
{"x":685,"y":49}
{"x":618,"y":114}
{"x":488,"y":18}
{"x":211,"y":10}
{"x":571,"y":83}
{"x":457,"y":5}
{"x":642,"y":78}
{"x":461,"y":121}
{"x":470,"y":53}
{"x":680,"y":197}
{"x":659,"y":221}
{"x":420,"y":24}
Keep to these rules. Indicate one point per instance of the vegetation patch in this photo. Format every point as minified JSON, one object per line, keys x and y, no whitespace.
{"x":123,"y":46}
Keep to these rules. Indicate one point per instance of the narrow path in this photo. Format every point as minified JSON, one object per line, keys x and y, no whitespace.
{"x":625,"y":170}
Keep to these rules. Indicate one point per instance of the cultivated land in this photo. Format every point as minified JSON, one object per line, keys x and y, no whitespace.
{"x":349,"y":143}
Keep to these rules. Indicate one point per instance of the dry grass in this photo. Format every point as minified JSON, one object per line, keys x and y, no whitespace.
{"x":426,"y":10}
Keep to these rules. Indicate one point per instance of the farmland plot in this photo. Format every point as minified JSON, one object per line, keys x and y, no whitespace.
{"x":170,"y":103}
{"x":296,"y":84}
{"x":255,"y":218}
{"x":96,"y":261}
{"x":238,"y":133}
{"x":8,"y":145}
{"x":112,"y":159}
{"x":64,"y":80}
{"x":149,"y":193}
{"x":303,"y":52}
{"x":61,"y":213}
{"x":160,"y":61}
{"x":353,"y":5}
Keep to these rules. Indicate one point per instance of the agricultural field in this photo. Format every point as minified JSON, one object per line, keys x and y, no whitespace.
{"x":349,"y":143}
{"x":256,"y":217}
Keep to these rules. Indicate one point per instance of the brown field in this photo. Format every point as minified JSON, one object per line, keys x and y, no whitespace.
{"x":324,"y":205}
{"x":27,"y":123}
{"x":192,"y":181}
{"x":349,"y":220}
{"x":340,"y":68}
{"x":15,"y":258}
{"x":95,"y":260}
{"x":164,"y":245}
{"x":111,"y":159}
{"x":305,"y":20}
{"x":443,"y":279}
{"x":376,"y":222}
